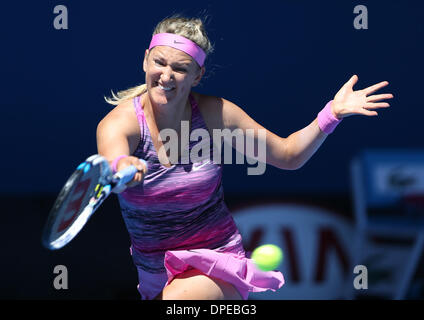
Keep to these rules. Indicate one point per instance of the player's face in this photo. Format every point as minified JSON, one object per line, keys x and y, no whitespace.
{"x":170,"y":74}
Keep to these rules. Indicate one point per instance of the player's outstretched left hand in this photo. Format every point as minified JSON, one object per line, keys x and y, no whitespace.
{"x":348,"y":102}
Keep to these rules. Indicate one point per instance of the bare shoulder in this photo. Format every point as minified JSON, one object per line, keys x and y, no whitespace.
{"x":121,"y":118}
{"x":118,"y":132}
{"x":218,"y":113}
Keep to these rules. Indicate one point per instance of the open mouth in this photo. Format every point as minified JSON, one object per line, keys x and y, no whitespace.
{"x":164,"y":88}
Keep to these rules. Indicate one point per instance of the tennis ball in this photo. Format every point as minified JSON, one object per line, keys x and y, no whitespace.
{"x":267,"y":257}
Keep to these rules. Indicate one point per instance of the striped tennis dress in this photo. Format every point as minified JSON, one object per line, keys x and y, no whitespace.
{"x":177,"y":220}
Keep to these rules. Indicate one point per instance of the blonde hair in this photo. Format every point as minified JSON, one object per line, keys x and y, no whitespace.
{"x":190,"y":28}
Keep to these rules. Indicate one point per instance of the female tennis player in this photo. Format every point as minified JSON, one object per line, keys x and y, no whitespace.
{"x":184,"y":241}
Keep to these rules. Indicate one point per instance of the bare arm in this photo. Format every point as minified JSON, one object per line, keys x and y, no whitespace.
{"x":118,"y":134}
{"x":294,"y":151}
{"x":222,"y":114}
{"x":288,"y":153}
{"x":304,"y":143}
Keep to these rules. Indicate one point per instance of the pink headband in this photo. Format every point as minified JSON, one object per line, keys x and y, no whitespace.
{"x":180,"y":43}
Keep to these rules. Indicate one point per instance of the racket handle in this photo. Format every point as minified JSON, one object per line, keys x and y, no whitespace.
{"x":123,"y":177}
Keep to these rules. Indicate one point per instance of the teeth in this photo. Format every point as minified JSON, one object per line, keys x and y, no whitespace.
{"x":165,"y":88}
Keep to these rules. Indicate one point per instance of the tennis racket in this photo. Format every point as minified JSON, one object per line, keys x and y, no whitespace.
{"x":82,"y":194}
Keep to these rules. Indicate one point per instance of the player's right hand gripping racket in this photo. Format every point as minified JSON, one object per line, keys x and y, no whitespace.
{"x":83,"y":193}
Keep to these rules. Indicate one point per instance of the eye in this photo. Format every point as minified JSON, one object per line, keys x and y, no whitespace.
{"x":159,"y":62}
{"x":182,"y":70}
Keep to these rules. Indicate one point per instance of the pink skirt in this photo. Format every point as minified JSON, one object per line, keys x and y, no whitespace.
{"x":228,"y":263}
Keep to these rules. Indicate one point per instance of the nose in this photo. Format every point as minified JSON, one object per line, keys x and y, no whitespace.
{"x":167,"y":75}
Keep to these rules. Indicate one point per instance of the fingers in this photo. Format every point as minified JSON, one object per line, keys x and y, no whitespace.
{"x":378,"y":97}
{"x":375,"y":87}
{"x":366,"y":112}
{"x":141,"y":167}
{"x":130,"y":160}
{"x":352,"y":81}
{"x":138,"y":177}
{"x":376,"y":105}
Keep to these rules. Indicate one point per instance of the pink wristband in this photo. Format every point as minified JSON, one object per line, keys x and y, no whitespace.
{"x":326,"y":120}
{"x":115,"y":162}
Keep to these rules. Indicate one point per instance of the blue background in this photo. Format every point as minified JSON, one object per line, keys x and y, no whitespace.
{"x":281,"y":61}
